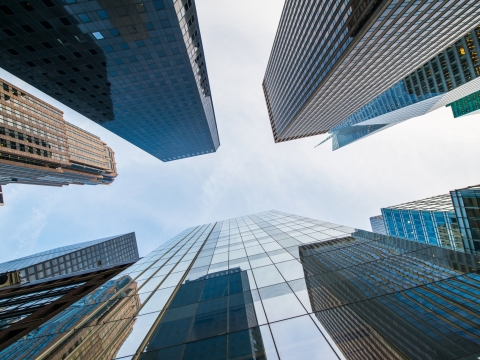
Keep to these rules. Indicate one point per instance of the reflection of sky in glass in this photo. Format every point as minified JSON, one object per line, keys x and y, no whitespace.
{"x":288,"y":294}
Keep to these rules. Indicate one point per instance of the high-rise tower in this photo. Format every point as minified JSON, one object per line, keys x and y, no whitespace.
{"x":70,"y":280}
{"x":136,"y":68}
{"x":277,"y":286}
{"x":332,"y":58}
{"x":38,"y":147}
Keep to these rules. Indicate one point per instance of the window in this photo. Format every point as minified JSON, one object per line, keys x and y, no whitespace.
{"x":6,"y":10}
{"x":93,"y":52}
{"x":46,"y":25}
{"x":30,"y":48}
{"x":84,"y":18}
{"x":103,"y":14}
{"x":13,"y":51}
{"x":65,"y":21}
{"x":9,"y":32}
{"x":30,"y":63}
{"x":75,"y":69}
{"x":98,"y":35}
{"x":77,"y":54}
{"x":159,"y":5}
{"x":48,"y":3}
{"x":140,"y":7}
{"x":28,"y":29}
{"x":47,"y":45}
{"x":114,"y":32}
{"x":61,"y":57}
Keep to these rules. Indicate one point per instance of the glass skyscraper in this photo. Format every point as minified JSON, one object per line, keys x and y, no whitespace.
{"x":137,"y":68}
{"x":330,"y":59}
{"x":274,"y":286}
{"x":74,"y":258}
{"x":444,"y":80}
{"x":451,"y":220}
{"x":62,"y":283}
{"x":378,"y":225}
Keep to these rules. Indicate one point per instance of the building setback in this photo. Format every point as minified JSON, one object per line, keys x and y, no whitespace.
{"x":278,"y":286}
{"x":36,"y":288}
{"x":330,"y":59}
{"x":451,"y":220}
{"x":136,"y":68}
{"x":38,"y":147}
{"x":452,"y":78}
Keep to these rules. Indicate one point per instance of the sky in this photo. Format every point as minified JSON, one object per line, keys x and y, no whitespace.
{"x":249,"y":173}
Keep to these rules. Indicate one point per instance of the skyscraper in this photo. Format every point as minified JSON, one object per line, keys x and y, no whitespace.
{"x":38,"y":147}
{"x":37,"y":288}
{"x":280,"y":286}
{"x":450,"y":220}
{"x":1,"y":196}
{"x":378,"y":226}
{"x":136,"y":68}
{"x":330,"y":59}
{"x":444,"y":80}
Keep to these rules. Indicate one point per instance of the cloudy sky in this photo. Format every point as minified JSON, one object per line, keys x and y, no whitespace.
{"x":422,"y":157}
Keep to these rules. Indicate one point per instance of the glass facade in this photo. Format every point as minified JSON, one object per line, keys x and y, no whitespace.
{"x":431,"y":221}
{"x":467,"y":210}
{"x":378,"y":225}
{"x":420,"y":92}
{"x":468,"y":105}
{"x":136,"y":68}
{"x":321,"y":48}
{"x":74,"y":258}
{"x":275,"y":286}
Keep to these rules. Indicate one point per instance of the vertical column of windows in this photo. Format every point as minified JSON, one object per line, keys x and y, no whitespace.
{"x":446,"y":71}
{"x":463,"y":60}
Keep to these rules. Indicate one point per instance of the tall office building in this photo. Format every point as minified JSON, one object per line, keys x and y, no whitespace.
{"x":280,"y":286}
{"x":1,"y":196}
{"x":37,"y":146}
{"x":37,"y":288}
{"x":451,"y":78}
{"x":330,"y":59}
{"x":136,"y":68}
{"x":378,"y":225}
{"x":450,"y":220}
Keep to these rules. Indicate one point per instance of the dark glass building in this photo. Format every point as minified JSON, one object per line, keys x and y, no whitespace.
{"x":444,"y":80}
{"x":276,"y":286}
{"x":62,"y":285}
{"x":136,"y":68}
{"x":330,"y":59}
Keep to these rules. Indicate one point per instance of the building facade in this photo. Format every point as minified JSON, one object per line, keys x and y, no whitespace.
{"x":38,"y":147}
{"x":321,"y":48}
{"x":136,"y":68}
{"x":469,"y":105}
{"x":71,"y":259}
{"x":378,"y":225}
{"x":74,"y":278}
{"x":1,"y":196}
{"x":451,"y":220}
{"x":467,"y":210}
{"x":280,"y":286}
{"x":451,"y":78}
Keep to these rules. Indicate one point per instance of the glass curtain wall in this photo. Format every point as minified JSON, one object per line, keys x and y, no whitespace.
{"x":279,"y":286}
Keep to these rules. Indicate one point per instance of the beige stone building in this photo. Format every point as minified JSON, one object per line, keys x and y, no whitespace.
{"x":37,"y":146}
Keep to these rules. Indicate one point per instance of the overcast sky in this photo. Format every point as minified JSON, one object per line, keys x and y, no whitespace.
{"x":249,"y":173}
